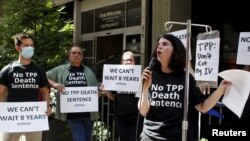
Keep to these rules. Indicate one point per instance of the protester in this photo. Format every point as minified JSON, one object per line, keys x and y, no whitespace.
{"x":162,"y":99}
{"x":127,"y":118}
{"x":74,"y":74}
{"x":32,"y":87}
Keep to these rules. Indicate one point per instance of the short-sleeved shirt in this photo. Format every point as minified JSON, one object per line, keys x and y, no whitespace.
{"x":23,"y":81}
{"x":164,"y":120}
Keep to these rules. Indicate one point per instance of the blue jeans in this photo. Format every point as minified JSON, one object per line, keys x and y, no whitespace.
{"x":81,"y":128}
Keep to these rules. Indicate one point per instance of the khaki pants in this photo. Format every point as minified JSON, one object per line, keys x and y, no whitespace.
{"x":30,"y":136}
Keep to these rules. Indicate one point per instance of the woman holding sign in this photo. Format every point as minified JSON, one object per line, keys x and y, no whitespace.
{"x":127,"y":118}
{"x":162,"y":99}
{"x":74,"y":74}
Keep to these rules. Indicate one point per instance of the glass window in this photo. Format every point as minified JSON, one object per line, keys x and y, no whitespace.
{"x":88,"y":53}
{"x":133,"y":43}
{"x":133,"y":13}
{"x":88,"y":46}
{"x":87,"y":22}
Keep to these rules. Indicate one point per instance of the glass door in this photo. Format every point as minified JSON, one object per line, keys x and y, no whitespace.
{"x":109,"y":50}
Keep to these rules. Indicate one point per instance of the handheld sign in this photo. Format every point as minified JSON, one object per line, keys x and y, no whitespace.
{"x":121,"y":77}
{"x":243,"y":54}
{"x":79,"y":99}
{"x":23,"y":116}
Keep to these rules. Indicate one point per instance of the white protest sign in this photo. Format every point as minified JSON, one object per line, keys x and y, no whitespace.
{"x":207,"y":59}
{"x":23,"y":116}
{"x":182,"y":35}
{"x":243,"y":54}
{"x":79,"y":99}
{"x":121,"y":77}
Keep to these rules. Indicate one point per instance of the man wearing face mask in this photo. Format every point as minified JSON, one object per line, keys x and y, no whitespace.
{"x":31,"y":87}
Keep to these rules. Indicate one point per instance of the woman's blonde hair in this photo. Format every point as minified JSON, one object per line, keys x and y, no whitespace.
{"x":128,"y":53}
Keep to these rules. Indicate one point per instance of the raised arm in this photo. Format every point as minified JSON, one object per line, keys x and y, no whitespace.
{"x":211,"y":101}
{"x":143,"y":103}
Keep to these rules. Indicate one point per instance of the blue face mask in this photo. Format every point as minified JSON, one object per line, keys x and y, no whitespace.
{"x":27,"y":52}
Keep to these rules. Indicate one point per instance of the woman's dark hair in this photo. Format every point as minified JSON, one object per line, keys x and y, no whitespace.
{"x":178,"y":59}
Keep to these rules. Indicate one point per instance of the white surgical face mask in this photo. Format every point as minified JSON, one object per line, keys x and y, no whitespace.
{"x":27,"y":52}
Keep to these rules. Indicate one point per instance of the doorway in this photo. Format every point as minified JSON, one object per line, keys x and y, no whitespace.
{"x":108,"y":51}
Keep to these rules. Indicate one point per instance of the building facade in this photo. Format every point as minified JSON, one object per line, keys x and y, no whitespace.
{"x":107,"y":28}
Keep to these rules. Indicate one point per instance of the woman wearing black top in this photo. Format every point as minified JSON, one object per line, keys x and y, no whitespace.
{"x":162,"y":99}
{"x":127,"y":118}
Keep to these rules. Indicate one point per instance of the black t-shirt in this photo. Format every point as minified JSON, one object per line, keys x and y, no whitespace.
{"x":23,"y":81}
{"x":76,"y":78}
{"x":125,"y":105}
{"x":164,"y":120}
